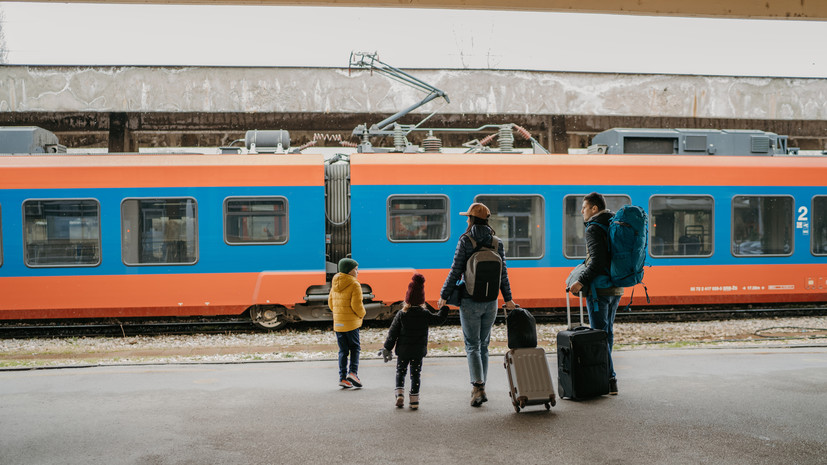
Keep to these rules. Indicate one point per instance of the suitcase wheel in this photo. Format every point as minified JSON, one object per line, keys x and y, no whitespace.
{"x":516,"y":407}
{"x":548,"y":406}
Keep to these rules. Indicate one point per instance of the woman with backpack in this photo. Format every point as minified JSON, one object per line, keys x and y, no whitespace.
{"x":480,"y":276}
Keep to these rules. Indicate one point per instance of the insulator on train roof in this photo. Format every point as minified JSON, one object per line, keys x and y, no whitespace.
{"x":487,"y":139}
{"x":432,"y":144}
{"x":523,"y":132}
{"x":270,"y":141}
{"x":506,"y":138}
{"x":399,"y":140}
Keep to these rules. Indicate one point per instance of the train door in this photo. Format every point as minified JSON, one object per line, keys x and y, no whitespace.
{"x":337,"y":212}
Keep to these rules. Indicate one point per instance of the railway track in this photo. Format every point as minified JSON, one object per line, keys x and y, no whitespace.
{"x":33,"y":329}
{"x":143,"y":327}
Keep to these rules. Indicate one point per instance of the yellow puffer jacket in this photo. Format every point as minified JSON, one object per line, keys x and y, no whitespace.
{"x":346,"y":302}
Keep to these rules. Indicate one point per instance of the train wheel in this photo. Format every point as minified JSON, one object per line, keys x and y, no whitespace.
{"x":267,"y":318}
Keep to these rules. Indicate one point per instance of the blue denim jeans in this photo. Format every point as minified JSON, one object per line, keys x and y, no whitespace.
{"x":602,"y":316}
{"x":348,"y":345}
{"x":476,"y":319}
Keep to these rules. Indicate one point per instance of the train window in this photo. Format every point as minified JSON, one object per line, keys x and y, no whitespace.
{"x":1,"y":237}
{"x":62,"y":232}
{"x":519,"y":221}
{"x":818,"y":233}
{"x":762,"y":225}
{"x":260,"y":220}
{"x":420,"y":218}
{"x":574,"y":239}
{"x":681,"y":225}
{"x":159,"y":231}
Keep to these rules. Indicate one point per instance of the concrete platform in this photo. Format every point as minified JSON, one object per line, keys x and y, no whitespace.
{"x":734,"y":406}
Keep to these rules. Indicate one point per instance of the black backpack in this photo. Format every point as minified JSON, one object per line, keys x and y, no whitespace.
{"x":483,"y":271}
{"x":522,"y":329}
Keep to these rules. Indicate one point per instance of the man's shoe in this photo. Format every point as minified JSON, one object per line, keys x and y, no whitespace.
{"x":345,"y":384}
{"x":354,"y":380}
{"x":613,"y":386}
{"x":476,"y":396}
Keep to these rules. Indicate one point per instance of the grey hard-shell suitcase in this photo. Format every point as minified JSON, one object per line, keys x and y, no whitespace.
{"x":582,"y":359}
{"x":529,"y":378}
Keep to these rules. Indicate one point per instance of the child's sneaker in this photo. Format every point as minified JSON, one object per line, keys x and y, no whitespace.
{"x":354,"y":380}
{"x":414,"y":401}
{"x":345,"y":384}
{"x":400,"y":398}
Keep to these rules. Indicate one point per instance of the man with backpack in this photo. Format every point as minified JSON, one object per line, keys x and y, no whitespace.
{"x":602,"y":301}
{"x":480,"y":273}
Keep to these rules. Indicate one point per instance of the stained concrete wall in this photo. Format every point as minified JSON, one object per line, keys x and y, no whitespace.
{"x":299,"y":90}
{"x":124,"y":108}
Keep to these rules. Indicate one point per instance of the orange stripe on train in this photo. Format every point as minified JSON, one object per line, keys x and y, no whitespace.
{"x":676,"y":285}
{"x":150,"y":295}
{"x":65,"y":172}
{"x":498,"y":169}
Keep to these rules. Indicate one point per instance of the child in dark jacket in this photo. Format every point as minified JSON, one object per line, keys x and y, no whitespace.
{"x":409,"y":333}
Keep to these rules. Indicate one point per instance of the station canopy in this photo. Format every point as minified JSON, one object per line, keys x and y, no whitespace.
{"x":749,"y":9}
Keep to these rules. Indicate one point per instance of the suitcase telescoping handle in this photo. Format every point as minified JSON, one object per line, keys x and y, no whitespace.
{"x":568,"y":309}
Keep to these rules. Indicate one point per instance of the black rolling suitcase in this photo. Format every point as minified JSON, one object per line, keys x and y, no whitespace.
{"x":582,"y":359}
{"x":529,"y":376}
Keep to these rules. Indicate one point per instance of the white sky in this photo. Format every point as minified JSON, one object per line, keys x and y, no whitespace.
{"x":95,"y":34}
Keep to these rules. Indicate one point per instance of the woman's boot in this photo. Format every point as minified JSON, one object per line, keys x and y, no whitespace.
{"x":476,"y":395}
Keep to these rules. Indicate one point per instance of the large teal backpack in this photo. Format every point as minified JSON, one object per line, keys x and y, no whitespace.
{"x":628,"y":233}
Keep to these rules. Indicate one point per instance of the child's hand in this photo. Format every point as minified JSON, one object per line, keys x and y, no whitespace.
{"x":386,"y":354}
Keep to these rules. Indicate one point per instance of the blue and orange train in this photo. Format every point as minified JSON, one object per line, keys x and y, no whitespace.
{"x":115,"y":236}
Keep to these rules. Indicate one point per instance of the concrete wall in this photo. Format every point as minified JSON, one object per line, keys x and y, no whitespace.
{"x":248,"y":90}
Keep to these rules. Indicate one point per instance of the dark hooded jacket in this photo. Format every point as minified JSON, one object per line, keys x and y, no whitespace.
{"x":482,"y":234}
{"x":409,"y":331}
{"x":598,"y":259}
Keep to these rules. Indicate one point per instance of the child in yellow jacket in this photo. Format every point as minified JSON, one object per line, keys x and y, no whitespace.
{"x":348,"y":311}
